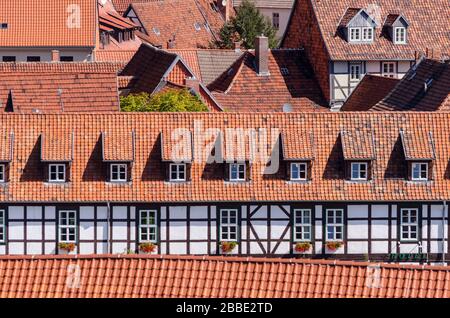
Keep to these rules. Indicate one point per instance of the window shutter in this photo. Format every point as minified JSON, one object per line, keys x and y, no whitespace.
{"x":347,"y":170}
{"x":248,"y":171}
{"x":288,"y":171}
{"x":188,"y":171}
{"x":409,"y":172}
{"x":108,"y":172}
{"x":309,"y":170}
{"x":130,"y":172}
{"x":227,"y":172}
{"x":68,"y":172}
{"x":46,"y":171}
{"x":430,"y":170}
{"x":167,"y":170}
{"x":7,"y":168}
{"x":369,"y":170}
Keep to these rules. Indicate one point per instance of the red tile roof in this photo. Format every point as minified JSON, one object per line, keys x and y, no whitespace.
{"x":297,"y":145}
{"x":49,"y":23}
{"x":122,"y":5}
{"x":327,"y":183}
{"x":240,"y":88}
{"x":114,"y":55}
{"x":57,"y":146}
{"x":118,"y":145}
{"x":179,"y":20}
{"x":370,"y":91}
{"x":410,"y":93}
{"x":422,"y":34}
{"x":418,"y":144}
{"x":358,"y":144}
{"x":154,"y":276}
{"x":59,"y":87}
{"x":6,"y":145}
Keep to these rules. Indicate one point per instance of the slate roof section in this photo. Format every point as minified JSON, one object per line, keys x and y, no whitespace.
{"x":57,"y":146}
{"x":410,"y":93}
{"x":418,"y":144}
{"x":59,"y":87}
{"x":155,"y":276}
{"x":358,"y":143}
{"x":49,"y":23}
{"x":370,"y":91}
{"x":118,"y":145}
{"x":88,"y":184}
{"x":193,"y":23}
{"x":241,"y":89}
{"x":423,"y":36}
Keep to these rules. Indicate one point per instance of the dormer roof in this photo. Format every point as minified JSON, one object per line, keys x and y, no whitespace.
{"x":351,"y":14}
{"x":393,"y":18}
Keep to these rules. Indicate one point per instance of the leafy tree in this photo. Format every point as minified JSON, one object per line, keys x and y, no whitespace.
{"x":245,"y":27}
{"x":173,"y":100}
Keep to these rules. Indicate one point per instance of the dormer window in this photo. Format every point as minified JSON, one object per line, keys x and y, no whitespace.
{"x":118,"y":172}
{"x":237,"y":172}
{"x":299,"y":171}
{"x":57,"y":173}
{"x":419,"y":171}
{"x":2,"y":173}
{"x":367,"y":34}
{"x":355,"y":34}
{"x":357,"y":26}
{"x":359,"y":171}
{"x":178,"y":172}
{"x":400,"y":35}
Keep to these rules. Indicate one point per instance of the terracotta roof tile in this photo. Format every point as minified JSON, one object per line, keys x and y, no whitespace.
{"x":118,"y":145}
{"x":164,"y":276}
{"x":410,"y":93}
{"x":122,"y":5}
{"x":6,"y":145}
{"x":418,"y":144}
{"x":358,"y":143}
{"x":57,"y":146}
{"x":176,"y":145}
{"x":276,"y":4}
{"x":297,"y":145}
{"x":48,"y":23}
{"x":207,"y":183}
{"x":58,"y":87}
{"x":370,"y":91}
{"x":179,"y":19}
{"x":422,"y":35}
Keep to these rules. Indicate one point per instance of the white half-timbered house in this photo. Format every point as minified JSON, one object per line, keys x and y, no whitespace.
{"x":372,"y":186}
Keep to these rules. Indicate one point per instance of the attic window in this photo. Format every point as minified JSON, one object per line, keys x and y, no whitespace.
{"x":4,"y":26}
{"x":284,"y":71}
{"x":355,"y":34}
{"x":197,"y":26}
{"x":156,"y":31}
{"x":400,"y":35}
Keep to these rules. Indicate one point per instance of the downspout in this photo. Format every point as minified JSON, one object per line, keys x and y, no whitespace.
{"x":444,"y":209}
{"x":108,"y":242}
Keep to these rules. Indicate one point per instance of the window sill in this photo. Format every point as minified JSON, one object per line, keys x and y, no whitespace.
{"x":298,"y":181}
{"x":119,"y":183}
{"x":55,"y":183}
{"x":238,"y":182}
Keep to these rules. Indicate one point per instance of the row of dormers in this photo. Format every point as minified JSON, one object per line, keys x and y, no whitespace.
{"x":357,"y":26}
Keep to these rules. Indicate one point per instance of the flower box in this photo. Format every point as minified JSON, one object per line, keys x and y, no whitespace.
{"x":302,"y":247}
{"x":148,"y":248}
{"x":227,"y":247}
{"x":333,"y":246}
{"x":66,"y":247}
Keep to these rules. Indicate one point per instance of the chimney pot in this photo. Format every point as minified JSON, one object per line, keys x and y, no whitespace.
{"x":171,"y":44}
{"x":55,"y":56}
{"x":262,"y":55}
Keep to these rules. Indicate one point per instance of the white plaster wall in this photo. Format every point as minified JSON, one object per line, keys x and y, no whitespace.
{"x":260,"y":228}
{"x":177,"y":212}
{"x":437,"y":210}
{"x":357,"y":229}
{"x":119,"y":248}
{"x":178,"y":248}
{"x":50,"y":212}
{"x":357,"y":211}
{"x":380,"y":211}
{"x":21,"y":54}
{"x":357,"y":247}
{"x":380,"y":229}
{"x":177,"y":231}
{"x":198,"y":230}
{"x":119,"y":212}
{"x":34,"y":248}
{"x":86,"y":231}
{"x":199,"y":248}
{"x":284,"y":18}
{"x":199,"y":212}
{"x":341,"y":67}
{"x":34,"y":230}
{"x":380,"y":247}
{"x":277,"y":229}
{"x":16,"y":231}
{"x":119,"y":231}
{"x":87,"y":212}
{"x":261,"y":213}
{"x":403,"y":66}
{"x":16,"y":212}
{"x":34,"y":212}
{"x":276,"y":212}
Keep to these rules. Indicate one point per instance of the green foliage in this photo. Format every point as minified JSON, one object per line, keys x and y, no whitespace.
{"x":168,"y":101}
{"x":245,"y":27}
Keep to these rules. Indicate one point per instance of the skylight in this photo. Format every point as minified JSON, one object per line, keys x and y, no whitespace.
{"x":197,"y":26}
{"x":156,"y":31}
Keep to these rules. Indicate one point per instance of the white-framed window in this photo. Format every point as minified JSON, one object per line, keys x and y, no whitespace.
{"x":400,"y":35}
{"x":67,"y":226}
{"x":57,"y":173}
{"x":359,"y":171}
{"x":355,"y":34}
{"x":2,"y":173}
{"x":299,"y":171}
{"x":2,"y":226}
{"x":355,"y":72}
{"x":419,"y":171}
{"x":228,"y":225}
{"x":335,"y":224}
{"x":148,"y":226}
{"x":388,"y":69}
{"x":302,"y":225}
{"x":367,"y":34}
{"x":276,"y":20}
{"x":409,"y":224}
{"x":177,"y":172}
{"x":119,"y":172}
{"x":237,"y":171}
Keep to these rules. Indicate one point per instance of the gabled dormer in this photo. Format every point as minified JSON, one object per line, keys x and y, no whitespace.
{"x":177,"y":154}
{"x":419,"y":153}
{"x":118,"y":154}
{"x":357,"y":26}
{"x":57,"y":156}
{"x":396,"y":27}
{"x":359,"y":153}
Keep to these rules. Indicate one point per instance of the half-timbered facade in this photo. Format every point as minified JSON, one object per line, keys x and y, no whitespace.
{"x":349,"y":185}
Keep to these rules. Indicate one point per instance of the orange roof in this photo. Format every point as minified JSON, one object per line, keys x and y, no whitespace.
{"x":118,"y":145}
{"x":389,"y":180}
{"x":297,"y":145}
{"x":418,"y":144}
{"x":57,"y":146}
{"x":49,"y":23}
{"x":114,"y":55}
{"x":193,"y":23}
{"x":6,"y":146}
{"x":422,"y":35}
{"x":357,"y":143}
{"x":59,"y":87}
{"x":157,"y":276}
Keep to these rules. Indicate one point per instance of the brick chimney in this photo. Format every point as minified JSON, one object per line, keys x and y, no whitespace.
{"x":262,"y":55}
{"x":55,"y":56}
{"x":226,"y":8}
{"x":192,"y":83}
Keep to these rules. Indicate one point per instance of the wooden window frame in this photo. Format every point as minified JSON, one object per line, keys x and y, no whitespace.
{"x":367,"y":39}
{"x":228,"y":225}
{"x":2,"y":226}
{"x":350,"y":34}
{"x":421,"y":164}
{"x":302,"y":225}
{"x":359,"y":164}
{"x":177,"y":171}
{"x":410,"y":225}
{"x":359,"y":66}
{"x":118,"y":166}
{"x":305,"y":165}
{"x":152,"y":229}
{"x":392,"y":74}
{"x":57,"y":173}
{"x":64,"y":229}
{"x":334,"y":225}
{"x":403,"y":35}
{"x":239,"y":172}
